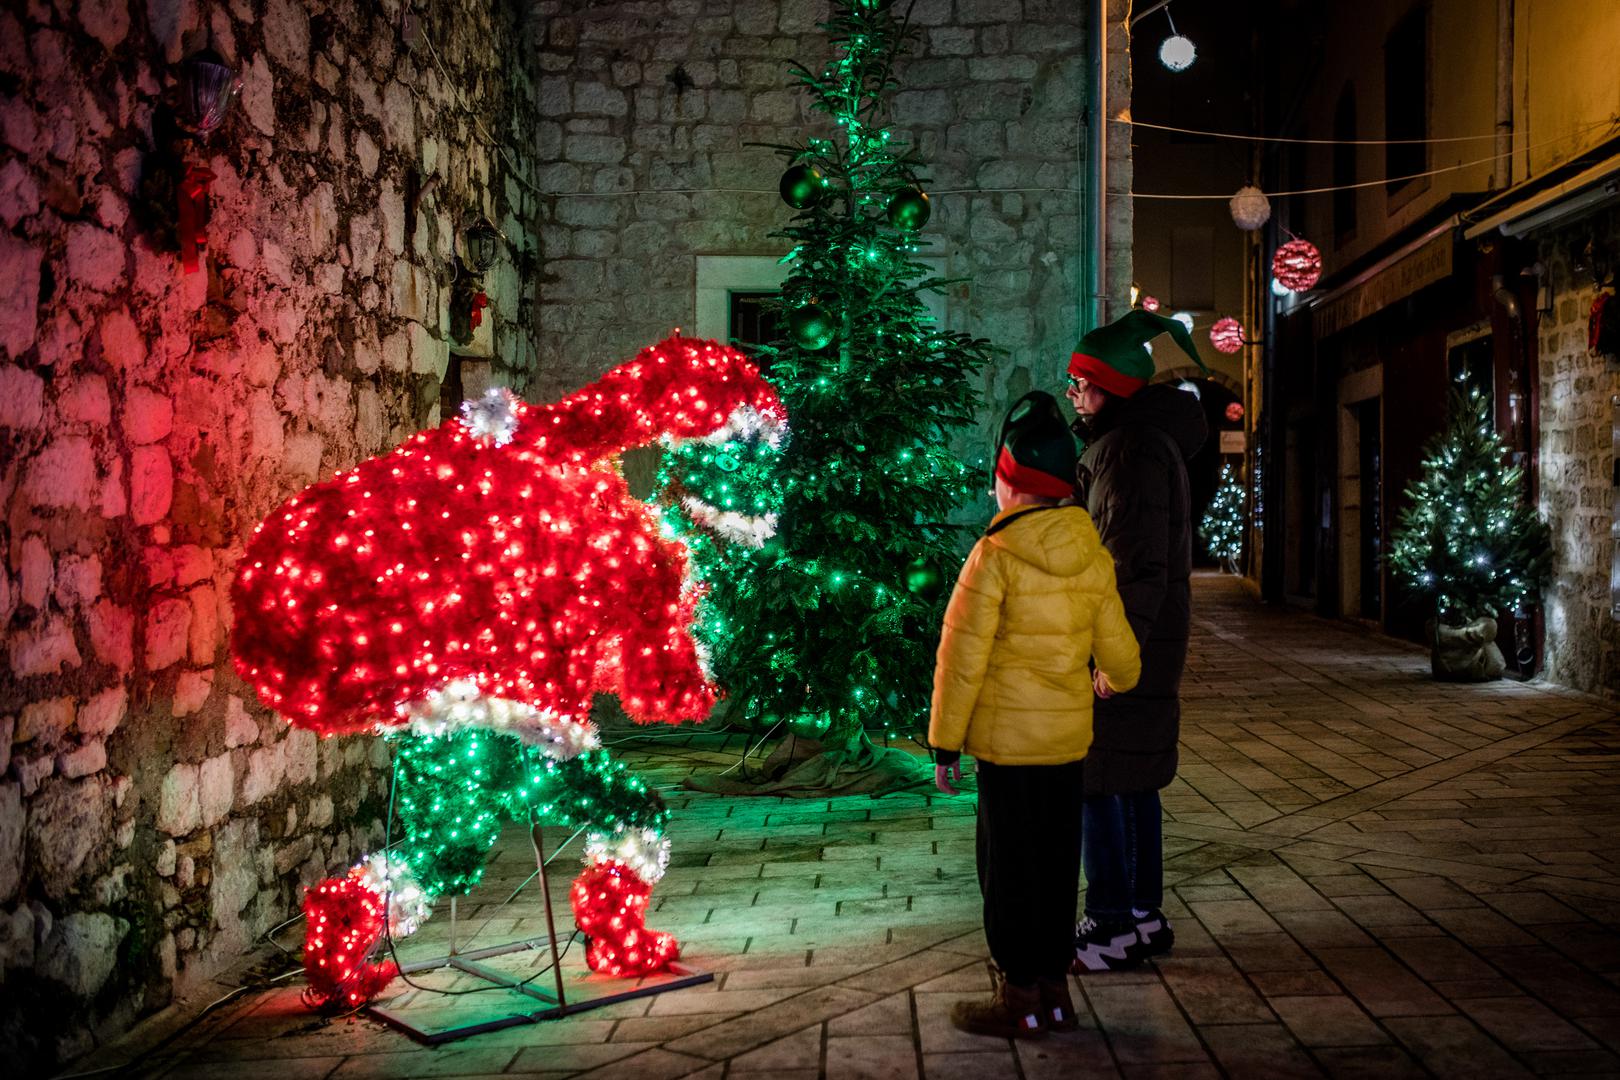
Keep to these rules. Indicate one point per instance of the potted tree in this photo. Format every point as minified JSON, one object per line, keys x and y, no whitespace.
{"x":1467,"y":543}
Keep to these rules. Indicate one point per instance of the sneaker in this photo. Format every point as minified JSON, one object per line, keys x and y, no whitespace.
{"x":1105,"y":947}
{"x":1154,"y":934}
{"x":1057,"y":1007}
{"x":1013,"y":1012}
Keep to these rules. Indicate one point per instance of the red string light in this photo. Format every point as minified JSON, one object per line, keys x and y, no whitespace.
{"x":344,"y":922}
{"x":526,"y":567}
{"x":610,"y":908}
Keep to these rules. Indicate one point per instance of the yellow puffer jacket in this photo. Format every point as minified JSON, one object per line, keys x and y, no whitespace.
{"x":1034,"y":603}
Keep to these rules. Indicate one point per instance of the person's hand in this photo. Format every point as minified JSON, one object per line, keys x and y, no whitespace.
{"x":1099,"y":683}
{"x":944,"y":774}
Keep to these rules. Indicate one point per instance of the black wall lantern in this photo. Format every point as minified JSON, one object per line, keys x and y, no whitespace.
{"x":481,"y":246}
{"x":208,"y":85}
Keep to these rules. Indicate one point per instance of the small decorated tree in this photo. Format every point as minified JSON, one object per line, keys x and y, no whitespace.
{"x":1466,"y":542}
{"x":828,"y":629}
{"x":1223,"y":523}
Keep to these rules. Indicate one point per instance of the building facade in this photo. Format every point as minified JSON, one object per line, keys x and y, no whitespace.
{"x":1435,"y":124}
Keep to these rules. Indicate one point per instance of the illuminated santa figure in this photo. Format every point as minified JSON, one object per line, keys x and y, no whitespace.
{"x":469,"y":593}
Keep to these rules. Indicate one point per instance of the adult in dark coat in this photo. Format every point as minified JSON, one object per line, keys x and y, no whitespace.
{"x":1133,"y":479}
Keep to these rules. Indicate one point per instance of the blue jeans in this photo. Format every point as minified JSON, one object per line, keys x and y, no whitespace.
{"x":1122,"y":848}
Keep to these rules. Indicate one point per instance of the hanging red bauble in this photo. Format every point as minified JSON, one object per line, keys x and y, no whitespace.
{"x":1227,"y":335}
{"x":1150,"y":303}
{"x":1297,"y":265}
{"x":1234,"y":411}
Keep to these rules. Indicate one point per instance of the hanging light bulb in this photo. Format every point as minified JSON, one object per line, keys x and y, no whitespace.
{"x":1176,"y":52}
{"x":1185,"y":318}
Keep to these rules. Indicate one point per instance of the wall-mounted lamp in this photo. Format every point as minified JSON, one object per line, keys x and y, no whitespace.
{"x":208,"y":85}
{"x":481,"y":246}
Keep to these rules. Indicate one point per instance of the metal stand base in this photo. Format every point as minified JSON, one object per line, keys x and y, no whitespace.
{"x":554,"y":1004}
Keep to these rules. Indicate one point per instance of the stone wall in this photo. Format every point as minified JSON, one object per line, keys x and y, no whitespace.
{"x":1578,"y":389}
{"x":651,"y":111}
{"x":154,"y":820}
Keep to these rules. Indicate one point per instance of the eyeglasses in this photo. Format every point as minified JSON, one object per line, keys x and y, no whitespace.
{"x":1078,"y":385}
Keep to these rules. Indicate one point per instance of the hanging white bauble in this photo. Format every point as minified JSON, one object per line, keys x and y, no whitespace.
{"x":1177,"y":53}
{"x":1250,"y":208}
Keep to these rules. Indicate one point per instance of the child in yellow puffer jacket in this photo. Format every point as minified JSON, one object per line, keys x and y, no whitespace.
{"x":1034,"y":604}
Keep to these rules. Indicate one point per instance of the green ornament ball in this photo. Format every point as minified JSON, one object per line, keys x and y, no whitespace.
{"x":811,"y":326}
{"x":802,"y":186}
{"x":812,"y":726}
{"x":909,"y":209}
{"x":923,"y":579}
{"x":726,"y":462}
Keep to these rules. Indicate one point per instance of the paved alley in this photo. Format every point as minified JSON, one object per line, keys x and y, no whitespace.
{"x":1372,"y":874}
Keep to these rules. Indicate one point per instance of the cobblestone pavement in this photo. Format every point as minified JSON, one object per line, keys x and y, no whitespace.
{"x":1372,"y":875}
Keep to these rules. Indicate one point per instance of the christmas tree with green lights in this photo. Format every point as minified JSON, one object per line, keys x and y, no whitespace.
{"x":827,"y":631}
{"x":1222,"y":527}
{"x":1466,"y":542}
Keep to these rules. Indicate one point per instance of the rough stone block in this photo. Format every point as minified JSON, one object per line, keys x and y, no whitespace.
{"x":44,"y":649}
{"x":78,"y":581}
{"x":101,"y":715}
{"x":151,"y":484}
{"x":167,"y":629}
{"x":85,"y":401}
{"x":67,"y":820}
{"x":148,"y":415}
{"x":82,"y":761}
{"x":216,"y":783}
{"x":266,"y":767}
{"x":19,"y":294}
{"x":302,"y":756}
{"x":240,"y":727}
{"x":11,"y":842}
{"x":22,"y":393}
{"x":112,"y":634}
{"x":179,"y":810}
{"x":44,"y":723}
{"x":191,"y":691}
{"x":81,"y":951}
{"x":95,"y":257}
{"x":63,"y":474}
{"x":36,"y":573}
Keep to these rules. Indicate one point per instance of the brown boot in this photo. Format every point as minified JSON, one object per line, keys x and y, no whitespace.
{"x":1013,"y":1012}
{"x":1057,"y":1007}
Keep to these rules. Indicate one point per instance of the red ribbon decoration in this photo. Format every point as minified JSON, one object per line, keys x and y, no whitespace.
{"x":475,"y":315}
{"x":194,"y":216}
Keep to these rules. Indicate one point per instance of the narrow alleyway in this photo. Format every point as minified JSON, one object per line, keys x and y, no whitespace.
{"x":1373,"y":875}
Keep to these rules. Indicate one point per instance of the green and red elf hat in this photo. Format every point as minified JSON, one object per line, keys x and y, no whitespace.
{"x":1112,"y":356}
{"x":1036,"y":452}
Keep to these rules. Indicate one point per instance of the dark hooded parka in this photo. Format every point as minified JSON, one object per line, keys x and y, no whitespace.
{"x":1133,"y":476}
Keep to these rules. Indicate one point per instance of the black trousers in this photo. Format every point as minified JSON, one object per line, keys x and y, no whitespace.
{"x":1029,"y":866}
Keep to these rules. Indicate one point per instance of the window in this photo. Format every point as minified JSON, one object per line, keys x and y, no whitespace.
{"x":1344,"y":163}
{"x":1406,"y":97}
{"x":749,"y":321}
{"x":1192,"y":267}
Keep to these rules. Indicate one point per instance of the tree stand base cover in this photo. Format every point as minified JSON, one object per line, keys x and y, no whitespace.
{"x":806,"y":769}
{"x":1465,"y":653}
